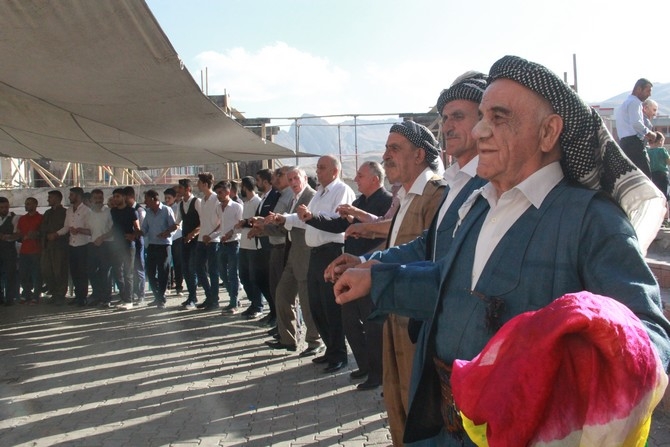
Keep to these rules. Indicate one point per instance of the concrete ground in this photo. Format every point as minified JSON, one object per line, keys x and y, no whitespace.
{"x":146,"y":377}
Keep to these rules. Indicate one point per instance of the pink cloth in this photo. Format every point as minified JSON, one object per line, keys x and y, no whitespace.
{"x":581,"y":371}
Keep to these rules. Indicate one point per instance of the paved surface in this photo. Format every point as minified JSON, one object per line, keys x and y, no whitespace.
{"x":145,"y":377}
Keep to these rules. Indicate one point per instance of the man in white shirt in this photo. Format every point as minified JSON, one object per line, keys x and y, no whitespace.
{"x":139,"y":275}
{"x":248,"y":245}
{"x":631,"y":128}
{"x":99,"y":250}
{"x":325,"y":247}
{"x":76,"y":223}
{"x":230,"y":213}
{"x":189,"y":222}
{"x":173,"y":199}
{"x":207,"y":251}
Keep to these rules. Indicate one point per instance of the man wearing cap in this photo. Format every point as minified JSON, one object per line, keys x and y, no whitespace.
{"x":458,"y":107}
{"x":531,"y":235}
{"x":631,"y":128}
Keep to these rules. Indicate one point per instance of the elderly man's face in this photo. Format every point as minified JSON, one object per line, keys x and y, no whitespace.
{"x":297,"y":181}
{"x":326,"y":171}
{"x":650,"y":111}
{"x":366,"y":180}
{"x":458,"y":119}
{"x":400,"y":158}
{"x":508,"y":134}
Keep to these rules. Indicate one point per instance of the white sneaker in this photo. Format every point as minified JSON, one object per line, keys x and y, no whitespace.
{"x":125,"y":306}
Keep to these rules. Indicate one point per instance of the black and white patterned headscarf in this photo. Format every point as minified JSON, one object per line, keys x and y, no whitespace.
{"x":589,"y":153}
{"x":419,"y":136}
{"x":469,"y":86}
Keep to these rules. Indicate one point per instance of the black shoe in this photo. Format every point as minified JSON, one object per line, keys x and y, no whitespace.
{"x":273,"y":331}
{"x":320,"y":359}
{"x":265,"y":319}
{"x":312,"y":351}
{"x":186,"y":303}
{"x":276,"y":336}
{"x":271,"y":323}
{"x":210,"y":307}
{"x":253,"y":315}
{"x":335,"y":366}
{"x":279,"y":345}
{"x":202,"y":305}
{"x":368,"y":385}
{"x":358,"y":374}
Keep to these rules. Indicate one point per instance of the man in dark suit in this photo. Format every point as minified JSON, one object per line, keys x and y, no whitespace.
{"x":261,"y":263}
{"x":364,"y":336}
{"x":293,"y":281}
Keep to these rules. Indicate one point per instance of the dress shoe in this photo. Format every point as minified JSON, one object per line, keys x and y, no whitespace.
{"x":253,"y":315}
{"x":358,"y":374}
{"x":202,"y":305}
{"x":265,"y":319}
{"x":368,"y":385}
{"x":210,"y":307}
{"x":312,"y":351}
{"x":335,"y":366}
{"x":279,"y":345}
{"x":273,"y":331}
{"x":320,"y":359}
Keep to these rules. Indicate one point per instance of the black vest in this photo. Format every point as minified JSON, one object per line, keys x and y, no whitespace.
{"x":7,"y":227}
{"x":189,"y":220}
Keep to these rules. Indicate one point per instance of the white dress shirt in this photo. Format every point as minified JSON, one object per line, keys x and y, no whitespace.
{"x":456,"y":179}
{"x":100,"y":222}
{"x":248,"y":210}
{"x":629,"y":118}
{"x":323,"y":204}
{"x":76,"y":219}
{"x":210,"y":220}
{"x":230,"y":215}
{"x":507,"y":209}
{"x":406,"y":198}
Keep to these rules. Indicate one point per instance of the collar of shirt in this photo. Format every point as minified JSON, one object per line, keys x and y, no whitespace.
{"x":535,"y":188}
{"x":418,"y":185}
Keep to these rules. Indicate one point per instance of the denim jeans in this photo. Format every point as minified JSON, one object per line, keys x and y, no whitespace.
{"x":249,"y":280}
{"x":158,"y":269}
{"x":229,"y":255}
{"x":123,"y":258}
{"x":207,"y":256}
{"x":189,"y":268}
{"x":30,"y":275}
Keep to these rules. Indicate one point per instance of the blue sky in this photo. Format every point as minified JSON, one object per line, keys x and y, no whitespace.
{"x":280,"y":58}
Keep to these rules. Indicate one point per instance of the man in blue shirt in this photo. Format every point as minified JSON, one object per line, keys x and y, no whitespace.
{"x":157,"y":228}
{"x":632,"y":131}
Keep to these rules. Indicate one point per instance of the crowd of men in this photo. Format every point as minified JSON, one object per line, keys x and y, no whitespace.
{"x":538,"y":202}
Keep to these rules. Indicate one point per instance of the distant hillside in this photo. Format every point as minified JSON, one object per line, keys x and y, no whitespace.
{"x":660,"y":93}
{"x":319,"y":137}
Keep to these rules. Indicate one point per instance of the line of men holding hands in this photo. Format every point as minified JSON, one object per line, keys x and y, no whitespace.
{"x":540,"y":203}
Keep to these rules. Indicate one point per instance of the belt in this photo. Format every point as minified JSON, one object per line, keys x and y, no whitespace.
{"x":450,"y":414}
{"x":327,"y":246}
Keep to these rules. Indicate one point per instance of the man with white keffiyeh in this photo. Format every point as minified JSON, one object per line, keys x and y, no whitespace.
{"x":551,"y":221}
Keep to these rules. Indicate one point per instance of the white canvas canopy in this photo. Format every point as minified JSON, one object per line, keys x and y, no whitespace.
{"x":98,"y":82}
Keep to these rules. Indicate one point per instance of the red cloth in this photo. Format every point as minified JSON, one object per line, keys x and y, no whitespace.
{"x":25,"y":225}
{"x":580,"y":371}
